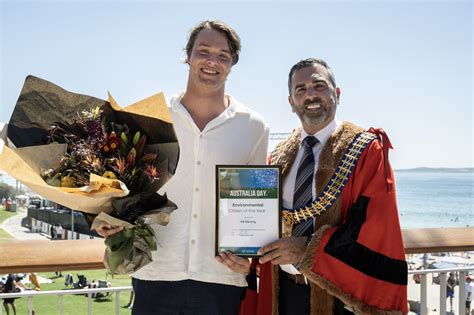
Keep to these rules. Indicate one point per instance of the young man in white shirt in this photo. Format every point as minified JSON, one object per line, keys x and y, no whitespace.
{"x":212,"y":128}
{"x":468,"y":295}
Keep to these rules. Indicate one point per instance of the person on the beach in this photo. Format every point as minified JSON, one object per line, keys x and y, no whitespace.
{"x":352,"y":253}
{"x":450,"y":284}
{"x":468,"y":295}
{"x":212,"y":128}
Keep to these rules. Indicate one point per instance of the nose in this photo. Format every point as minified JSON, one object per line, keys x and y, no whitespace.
{"x":311,"y":95}
{"x":311,"y":92}
{"x":212,"y":60}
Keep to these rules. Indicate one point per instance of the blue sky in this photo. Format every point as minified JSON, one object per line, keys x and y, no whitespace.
{"x":403,"y":66}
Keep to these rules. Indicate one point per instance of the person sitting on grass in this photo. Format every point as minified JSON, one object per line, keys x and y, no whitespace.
{"x":33,"y":277}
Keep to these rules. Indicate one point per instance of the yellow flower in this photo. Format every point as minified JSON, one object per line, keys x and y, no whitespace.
{"x":109,"y":174}
{"x":67,"y":181}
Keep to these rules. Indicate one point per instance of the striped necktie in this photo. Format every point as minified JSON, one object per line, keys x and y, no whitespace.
{"x":304,"y":185}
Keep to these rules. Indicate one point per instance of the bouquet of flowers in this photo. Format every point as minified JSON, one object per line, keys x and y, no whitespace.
{"x":93,"y":156}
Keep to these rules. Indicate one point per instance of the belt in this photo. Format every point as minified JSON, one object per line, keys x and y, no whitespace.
{"x":298,"y":279}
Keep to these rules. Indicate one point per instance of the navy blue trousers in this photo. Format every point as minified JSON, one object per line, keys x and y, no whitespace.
{"x":294,"y":299}
{"x":187,"y":297}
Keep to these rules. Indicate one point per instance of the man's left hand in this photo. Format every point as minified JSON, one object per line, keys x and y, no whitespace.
{"x":288,"y":250}
{"x":234,"y":263}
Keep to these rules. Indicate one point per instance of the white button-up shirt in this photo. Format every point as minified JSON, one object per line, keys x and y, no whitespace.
{"x":186,"y":246}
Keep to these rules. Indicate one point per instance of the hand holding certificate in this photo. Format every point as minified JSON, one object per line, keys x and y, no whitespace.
{"x":248,"y":208}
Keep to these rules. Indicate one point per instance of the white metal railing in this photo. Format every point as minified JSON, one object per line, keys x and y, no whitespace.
{"x":463,"y":272}
{"x":29,"y":294}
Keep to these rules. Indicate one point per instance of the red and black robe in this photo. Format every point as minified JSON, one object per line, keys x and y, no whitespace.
{"x":356,"y":253}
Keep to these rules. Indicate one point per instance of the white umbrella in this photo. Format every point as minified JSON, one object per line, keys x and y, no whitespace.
{"x":455,"y":260}
{"x":442,"y":265}
{"x":428,"y":257}
{"x":22,"y":197}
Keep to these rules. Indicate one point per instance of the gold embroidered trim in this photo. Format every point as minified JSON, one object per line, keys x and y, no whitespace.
{"x":335,"y":185}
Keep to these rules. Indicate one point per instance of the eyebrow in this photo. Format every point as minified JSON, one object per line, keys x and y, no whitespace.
{"x":312,"y":81}
{"x":320,"y":81}
{"x":206,"y":45}
{"x":298,"y":86}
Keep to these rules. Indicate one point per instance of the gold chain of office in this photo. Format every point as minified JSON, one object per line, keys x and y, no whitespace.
{"x":335,"y":185}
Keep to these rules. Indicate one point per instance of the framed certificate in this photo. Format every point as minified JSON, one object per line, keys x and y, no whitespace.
{"x":248,"y":201}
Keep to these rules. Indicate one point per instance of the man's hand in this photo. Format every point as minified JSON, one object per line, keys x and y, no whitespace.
{"x":288,"y":250}
{"x":108,"y":230}
{"x":234,"y":263}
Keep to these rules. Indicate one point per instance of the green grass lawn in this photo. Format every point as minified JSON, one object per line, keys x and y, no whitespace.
{"x":5,"y":214}
{"x":76,"y":304}
{"x":4,"y":236}
{"x":72,"y":304}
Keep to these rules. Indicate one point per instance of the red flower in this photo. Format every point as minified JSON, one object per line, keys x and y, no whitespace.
{"x":112,"y":143}
{"x":121,"y":165}
{"x":151,"y":171}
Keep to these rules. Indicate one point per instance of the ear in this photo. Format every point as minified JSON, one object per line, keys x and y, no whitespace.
{"x":338,"y":93}
{"x":186,"y":60}
{"x":292,"y":104}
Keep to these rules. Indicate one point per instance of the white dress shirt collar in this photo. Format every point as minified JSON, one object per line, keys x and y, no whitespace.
{"x":323,"y":134}
{"x":229,"y":112}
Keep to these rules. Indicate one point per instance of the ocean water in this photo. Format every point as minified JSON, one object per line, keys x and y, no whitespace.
{"x":435,"y":199}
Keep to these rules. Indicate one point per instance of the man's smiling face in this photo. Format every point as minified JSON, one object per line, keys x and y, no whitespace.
{"x":210,"y":61}
{"x":313,"y":97}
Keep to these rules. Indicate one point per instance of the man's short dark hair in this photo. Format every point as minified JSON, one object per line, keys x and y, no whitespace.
{"x":229,"y":32}
{"x":310,"y":62}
